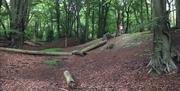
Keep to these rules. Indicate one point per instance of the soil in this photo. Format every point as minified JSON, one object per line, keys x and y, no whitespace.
{"x":119,"y":69}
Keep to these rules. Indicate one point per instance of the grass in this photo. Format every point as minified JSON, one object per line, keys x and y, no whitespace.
{"x":51,"y":62}
{"x":52,"y":50}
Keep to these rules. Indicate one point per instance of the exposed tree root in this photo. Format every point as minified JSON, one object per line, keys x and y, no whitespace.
{"x":161,"y":65}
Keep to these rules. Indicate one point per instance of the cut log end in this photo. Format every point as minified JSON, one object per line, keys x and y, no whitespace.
{"x":69,"y":79}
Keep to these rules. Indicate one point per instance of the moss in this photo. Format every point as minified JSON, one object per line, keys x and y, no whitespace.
{"x":51,"y":62}
{"x":52,"y":50}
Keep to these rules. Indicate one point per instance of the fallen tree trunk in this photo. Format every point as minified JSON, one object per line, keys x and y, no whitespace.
{"x":89,"y":48}
{"x":31,"y":43}
{"x":36,"y":52}
{"x":69,"y":79}
{"x":93,"y":46}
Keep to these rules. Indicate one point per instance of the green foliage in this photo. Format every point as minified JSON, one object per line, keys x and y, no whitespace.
{"x":52,"y":50}
{"x":135,"y":14}
{"x":51,"y":62}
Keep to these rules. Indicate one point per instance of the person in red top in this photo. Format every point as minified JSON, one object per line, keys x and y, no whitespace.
{"x":120,"y":29}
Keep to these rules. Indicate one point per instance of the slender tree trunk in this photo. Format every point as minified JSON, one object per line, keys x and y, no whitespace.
{"x":57,"y":7}
{"x":127,"y":21}
{"x":35,"y":30}
{"x":99,"y":32}
{"x":162,"y":60}
{"x":147,"y":10}
{"x":106,"y":10}
{"x":142,"y":17}
{"x":178,"y":13}
{"x":78,"y":25}
{"x":93,"y":23}
{"x":118,"y":21}
{"x":87,"y":20}
{"x":0,"y":4}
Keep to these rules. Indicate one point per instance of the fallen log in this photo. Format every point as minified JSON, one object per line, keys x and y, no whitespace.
{"x":36,"y":52}
{"x":31,"y":43}
{"x":93,"y":46}
{"x":89,"y":48}
{"x":69,"y":79}
{"x":78,"y":52}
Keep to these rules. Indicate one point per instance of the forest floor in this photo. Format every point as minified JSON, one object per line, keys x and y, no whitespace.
{"x":122,"y":68}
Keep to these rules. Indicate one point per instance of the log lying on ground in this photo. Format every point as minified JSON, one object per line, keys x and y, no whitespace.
{"x":36,"y":52}
{"x":31,"y":43}
{"x":69,"y":79}
{"x":93,"y":46}
{"x":89,"y":48}
{"x":78,"y":52}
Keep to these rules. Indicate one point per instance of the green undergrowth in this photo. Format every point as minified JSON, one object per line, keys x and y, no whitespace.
{"x":51,"y":62}
{"x":52,"y":50}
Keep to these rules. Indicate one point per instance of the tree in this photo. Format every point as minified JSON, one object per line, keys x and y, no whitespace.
{"x":178,"y":13}
{"x":18,"y":21}
{"x":163,"y":52}
{"x":57,"y":8}
{"x":103,"y":15}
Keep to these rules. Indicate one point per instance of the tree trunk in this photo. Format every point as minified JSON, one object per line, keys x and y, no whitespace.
{"x":142,"y":17}
{"x":78,"y":24}
{"x":35,"y":30}
{"x":93,"y":23}
{"x":162,"y":61}
{"x":20,"y":12}
{"x":147,"y":10}
{"x":178,"y":14}
{"x":57,"y":7}
{"x":87,"y":13}
{"x":103,"y":13}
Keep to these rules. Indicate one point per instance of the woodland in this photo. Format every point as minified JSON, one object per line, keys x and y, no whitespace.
{"x":89,"y":45}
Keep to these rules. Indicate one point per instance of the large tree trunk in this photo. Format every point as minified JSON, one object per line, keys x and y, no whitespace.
{"x":18,"y":21}
{"x":162,"y":61}
{"x":178,"y":13}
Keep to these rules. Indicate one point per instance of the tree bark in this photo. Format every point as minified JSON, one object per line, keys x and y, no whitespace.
{"x":18,"y":21}
{"x":162,"y":61}
{"x":57,"y":8}
{"x":178,"y":14}
{"x":87,"y":13}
